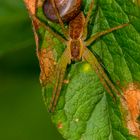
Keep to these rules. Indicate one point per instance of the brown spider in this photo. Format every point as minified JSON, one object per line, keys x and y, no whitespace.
{"x":76,"y":50}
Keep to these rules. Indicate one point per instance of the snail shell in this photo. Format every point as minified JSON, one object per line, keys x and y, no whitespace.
{"x":68,"y":9}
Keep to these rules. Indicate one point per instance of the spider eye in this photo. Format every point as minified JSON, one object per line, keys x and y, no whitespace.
{"x":68,"y":9}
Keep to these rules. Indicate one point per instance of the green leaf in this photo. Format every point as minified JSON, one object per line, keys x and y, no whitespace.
{"x":85,"y":110}
{"x":119,"y":51}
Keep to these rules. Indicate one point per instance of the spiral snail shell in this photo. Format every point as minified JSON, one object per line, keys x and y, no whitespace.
{"x":68,"y":9}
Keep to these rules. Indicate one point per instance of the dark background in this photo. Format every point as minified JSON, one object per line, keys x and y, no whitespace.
{"x":23,"y":115}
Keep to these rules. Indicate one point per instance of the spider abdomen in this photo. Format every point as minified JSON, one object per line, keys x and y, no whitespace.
{"x":68,"y":9}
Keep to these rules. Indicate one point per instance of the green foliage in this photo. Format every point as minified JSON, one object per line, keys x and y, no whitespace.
{"x":120,"y":50}
{"x":22,"y":112}
{"x":85,"y":111}
{"x":13,"y":14}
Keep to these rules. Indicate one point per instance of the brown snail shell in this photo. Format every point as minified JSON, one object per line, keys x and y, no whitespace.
{"x":68,"y":9}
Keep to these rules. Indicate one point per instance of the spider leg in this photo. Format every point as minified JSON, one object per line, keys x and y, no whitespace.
{"x":99,"y":34}
{"x":61,"y":69}
{"x":60,"y":19}
{"x":59,"y":86}
{"x":87,"y":19}
{"x":92,"y":60}
{"x":48,"y":28}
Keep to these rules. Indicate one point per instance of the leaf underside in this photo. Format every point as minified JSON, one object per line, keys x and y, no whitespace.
{"x":85,"y":110}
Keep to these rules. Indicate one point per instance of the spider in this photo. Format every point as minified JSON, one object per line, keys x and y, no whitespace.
{"x":75,"y":39}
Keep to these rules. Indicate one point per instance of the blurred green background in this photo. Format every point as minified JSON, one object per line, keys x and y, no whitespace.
{"x":23,"y":115}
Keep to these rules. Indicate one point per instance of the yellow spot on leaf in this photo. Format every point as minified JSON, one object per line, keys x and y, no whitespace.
{"x":76,"y":120}
{"x":86,"y":67}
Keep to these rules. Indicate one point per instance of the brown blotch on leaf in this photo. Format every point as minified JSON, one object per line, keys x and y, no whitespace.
{"x":59,"y":125}
{"x":132,"y":106}
{"x":36,"y":24}
{"x":47,"y":65}
{"x":31,"y":6}
{"x":45,"y":55}
{"x":66,"y":81}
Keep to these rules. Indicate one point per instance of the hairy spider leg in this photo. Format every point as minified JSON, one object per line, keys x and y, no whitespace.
{"x":48,"y":28}
{"x":55,"y":88}
{"x":95,"y":62}
{"x":61,"y":69}
{"x":65,"y":32}
{"x":87,"y":19}
{"x":61,"y":79}
{"x":61,"y":66}
{"x":92,"y":60}
{"x":99,"y":34}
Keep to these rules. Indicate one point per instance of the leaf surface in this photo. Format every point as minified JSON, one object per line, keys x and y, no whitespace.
{"x":85,"y":110}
